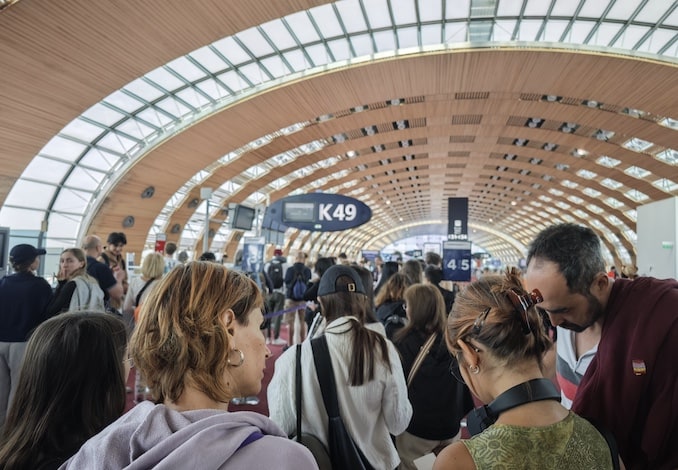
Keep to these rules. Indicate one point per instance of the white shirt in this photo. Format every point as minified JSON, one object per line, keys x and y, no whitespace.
{"x":371,"y":412}
{"x":569,"y":369}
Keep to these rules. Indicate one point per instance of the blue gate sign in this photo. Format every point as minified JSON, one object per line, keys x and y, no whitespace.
{"x":457,"y":261}
{"x":321,"y":212}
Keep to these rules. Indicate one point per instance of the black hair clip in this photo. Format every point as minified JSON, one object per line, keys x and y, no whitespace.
{"x":522,"y":301}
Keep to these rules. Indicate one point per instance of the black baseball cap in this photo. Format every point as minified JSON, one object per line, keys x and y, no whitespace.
{"x":328,"y":282}
{"x":24,"y":253}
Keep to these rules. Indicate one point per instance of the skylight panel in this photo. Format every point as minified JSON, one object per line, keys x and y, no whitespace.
{"x":544,"y":198}
{"x":637,"y":145}
{"x":630,"y":37}
{"x":377,"y":14}
{"x":556,"y":192}
{"x":536,"y":8}
{"x":657,"y":40}
{"x":528,"y":29}
{"x":165,"y":79}
{"x":637,"y":172}
{"x":575,"y":199}
{"x":503,"y":29}
{"x":302,"y":28}
{"x":614,"y":203}
{"x":173,"y":107}
{"x":554,"y":28}
{"x":563,"y":205}
{"x":103,"y":114}
{"x":143,"y":90}
{"x":231,"y":50}
{"x":46,"y":169}
{"x":666,"y":185}
{"x":325,"y":17}
{"x":30,"y":194}
{"x":212,"y":89}
{"x":340,"y":49}
{"x":595,"y":209}
{"x":135,"y":128}
{"x":319,"y":54}
{"x":234,"y":81}
{"x":586,"y":174}
{"x":122,"y":100}
{"x":622,"y":9}
{"x":608,"y":162}
{"x":569,"y":184}
{"x":614,"y":220}
{"x":254,"y":42}
{"x":99,"y":158}
{"x":632,"y":215}
{"x":597,"y":224}
{"x":581,"y":214}
{"x":551,"y":210}
{"x":116,"y":143}
{"x":430,"y":11}
{"x":580,"y":29}
{"x":352,"y":22}
{"x":85,"y":179}
{"x":669,"y":156}
{"x":604,"y":34}
{"x":431,"y":34}
{"x":385,"y":40}
{"x":254,"y":73}
{"x":82,"y":130}
{"x":567,"y":218}
{"x":670,"y":123}
{"x":209,"y":59}
{"x":610,"y":183}
{"x":636,"y":195}
{"x":72,"y":201}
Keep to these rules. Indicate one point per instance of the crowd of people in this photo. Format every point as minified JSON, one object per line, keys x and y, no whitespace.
{"x":570,"y":367}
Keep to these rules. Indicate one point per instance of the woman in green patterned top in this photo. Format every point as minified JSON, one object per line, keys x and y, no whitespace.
{"x":499,"y":342}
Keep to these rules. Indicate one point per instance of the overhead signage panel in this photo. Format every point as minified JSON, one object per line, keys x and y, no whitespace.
{"x":318,"y":212}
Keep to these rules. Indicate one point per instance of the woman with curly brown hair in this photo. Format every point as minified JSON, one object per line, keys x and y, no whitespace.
{"x":498,"y":338}
{"x":198,"y":344}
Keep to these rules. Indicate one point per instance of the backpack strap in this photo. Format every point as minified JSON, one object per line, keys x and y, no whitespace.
{"x":423,"y":352}
{"x":298,"y":391}
{"x":138,"y":298}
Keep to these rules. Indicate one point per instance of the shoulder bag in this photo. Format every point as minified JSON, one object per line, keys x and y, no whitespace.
{"x":344,"y":453}
{"x":423,"y":352}
{"x":311,"y":442}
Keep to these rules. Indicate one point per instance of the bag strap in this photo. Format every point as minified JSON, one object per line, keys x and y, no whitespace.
{"x":611,"y":442}
{"x":298,"y":391}
{"x":423,"y":352}
{"x":323,"y":368}
{"x":136,"y":301}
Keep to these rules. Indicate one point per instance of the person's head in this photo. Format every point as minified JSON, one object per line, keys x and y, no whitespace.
{"x":25,"y":257}
{"x":153,"y":266}
{"x":72,"y":263}
{"x":343,"y":258}
{"x":277,"y":252}
{"x":92,"y":246}
{"x":394,"y":289}
{"x":115,"y":242}
{"x":366,"y":278}
{"x":494,"y":329}
{"x":199,"y":329}
{"x":322,"y":265}
{"x":182,"y":257}
{"x":412,"y":269}
{"x":72,"y":385}
{"x":170,"y":248}
{"x":341,"y":293}
{"x":209,"y":256}
{"x":300,"y":257}
{"x":425,"y":308}
{"x":433,"y":274}
{"x":564,"y":262}
{"x":433,"y":258}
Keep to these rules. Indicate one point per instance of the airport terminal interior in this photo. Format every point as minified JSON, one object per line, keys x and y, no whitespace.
{"x":114,"y":117}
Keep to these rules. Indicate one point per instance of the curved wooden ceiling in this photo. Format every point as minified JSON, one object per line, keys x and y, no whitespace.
{"x":468,"y":132}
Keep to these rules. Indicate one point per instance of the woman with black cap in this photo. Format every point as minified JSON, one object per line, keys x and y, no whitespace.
{"x":370,"y":385}
{"x":23,"y":301}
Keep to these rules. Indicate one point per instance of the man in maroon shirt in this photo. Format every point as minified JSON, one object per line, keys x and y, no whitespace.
{"x":631,"y":385}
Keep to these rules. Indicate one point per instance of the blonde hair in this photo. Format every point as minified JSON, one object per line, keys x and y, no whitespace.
{"x":153,"y":266}
{"x":181,"y":338}
{"x":80,"y":256}
{"x":425,"y":310}
{"x":484,"y":312}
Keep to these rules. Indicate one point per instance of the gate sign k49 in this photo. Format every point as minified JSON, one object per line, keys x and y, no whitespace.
{"x":317,"y":212}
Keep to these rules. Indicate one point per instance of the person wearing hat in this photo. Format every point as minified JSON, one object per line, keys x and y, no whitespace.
{"x":370,"y":384}
{"x":23,"y":302}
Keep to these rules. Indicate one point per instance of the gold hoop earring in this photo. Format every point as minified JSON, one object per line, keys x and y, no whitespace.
{"x":475,"y":369}
{"x":242,"y":358}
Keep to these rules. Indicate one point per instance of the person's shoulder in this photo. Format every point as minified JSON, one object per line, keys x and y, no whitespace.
{"x":288,"y":453}
{"x":455,"y":456}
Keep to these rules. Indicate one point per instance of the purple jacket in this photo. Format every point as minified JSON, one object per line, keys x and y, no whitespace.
{"x":154,"y":436}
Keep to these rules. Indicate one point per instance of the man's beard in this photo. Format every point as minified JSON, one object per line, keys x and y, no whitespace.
{"x":595,"y":312}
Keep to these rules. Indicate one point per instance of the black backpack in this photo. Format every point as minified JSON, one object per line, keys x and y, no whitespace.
{"x":275,"y":273}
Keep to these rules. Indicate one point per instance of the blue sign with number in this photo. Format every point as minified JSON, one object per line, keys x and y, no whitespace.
{"x":457,"y":261}
{"x":316,"y":212}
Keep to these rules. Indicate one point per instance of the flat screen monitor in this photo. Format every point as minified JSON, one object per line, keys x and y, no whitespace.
{"x":4,"y":248}
{"x":243,"y":217}
{"x":298,"y":212}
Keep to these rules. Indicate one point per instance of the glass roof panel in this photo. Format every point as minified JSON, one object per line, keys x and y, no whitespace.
{"x":135,"y":128}
{"x":166,"y":79}
{"x":362,"y":44}
{"x":579,"y":30}
{"x":503,"y":30}
{"x":604,"y":34}
{"x":404,"y":11}
{"x":231,"y":50}
{"x":99,"y":158}
{"x":377,"y":13}
{"x":386,"y":40}
{"x":319,"y":54}
{"x":302,"y":28}
{"x":509,"y":8}
{"x":536,"y":8}
{"x":63,"y":226}
{"x":72,"y":201}
{"x":86,"y":179}
{"x":173,"y":107}
{"x":622,"y":9}
{"x":83,"y":130}
{"x":554,"y":30}
{"x":212,"y":88}
{"x":122,"y":100}
{"x":278,"y":34}
{"x":254,"y":42}
{"x":192,"y":97}
{"x":341,"y":49}
{"x":275,"y":66}
{"x":30,"y":194}
{"x":209,"y":59}
{"x":65,"y":149}
{"x":46,"y":170}
{"x":327,"y":20}
{"x":431,"y":34}
{"x":233,"y":80}
{"x":116,"y":143}
{"x":564,"y":8}
{"x":20,"y":218}
{"x":143,"y":90}
{"x":352,"y":22}
{"x":657,"y":40}
{"x":103,"y":114}
{"x":430,"y":11}
{"x":630,"y":37}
